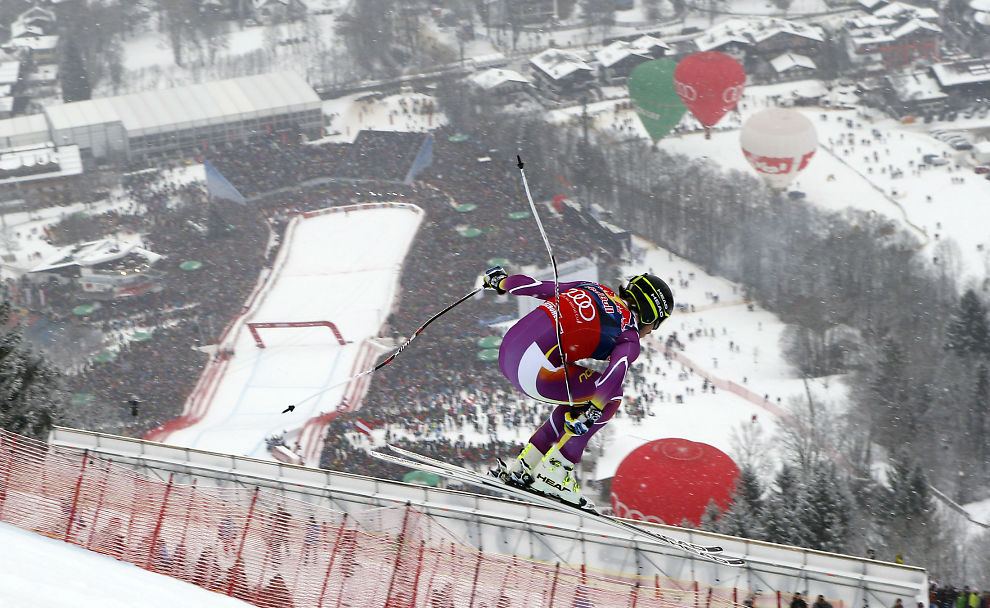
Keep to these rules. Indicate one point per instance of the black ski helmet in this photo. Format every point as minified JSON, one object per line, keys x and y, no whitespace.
{"x":650,"y":297}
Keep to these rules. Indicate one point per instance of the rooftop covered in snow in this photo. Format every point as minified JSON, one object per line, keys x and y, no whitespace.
{"x":557,"y":63}
{"x":754,"y":31}
{"x":494,"y":77}
{"x":199,"y":104}
{"x":970,"y":71}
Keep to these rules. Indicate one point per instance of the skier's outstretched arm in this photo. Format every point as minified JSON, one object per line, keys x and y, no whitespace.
{"x":522,"y":285}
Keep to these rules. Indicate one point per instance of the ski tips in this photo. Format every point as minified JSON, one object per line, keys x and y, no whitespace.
{"x":519,"y":162}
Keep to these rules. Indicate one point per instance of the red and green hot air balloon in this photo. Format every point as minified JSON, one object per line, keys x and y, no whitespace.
{"x":710,"y":84}
{"x":653,"y":95}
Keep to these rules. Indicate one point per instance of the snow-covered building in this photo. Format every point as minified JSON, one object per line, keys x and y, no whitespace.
{"x":499,"y":82}
{"x":620,"y":58}
{"x":764,"y":38}
{"x":10,"y":73}
{"x":792,"y":66}
{"x":188,"y":118}
{"x":558,"y":73}
{"x":41,"y":49}
{"x":896,"y":35}
{"x":104,"y":269}
{"x":968,"y":79}
{"x":32,"y":167}
{"x":913,"y":93}
{"x":37,"y":17}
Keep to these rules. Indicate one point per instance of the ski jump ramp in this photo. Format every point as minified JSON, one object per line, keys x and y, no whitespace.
{"x":500,"y":525}
{"x":310,"y":325}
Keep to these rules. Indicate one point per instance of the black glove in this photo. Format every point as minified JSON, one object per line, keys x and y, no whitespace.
{"x":493,"y":277}
{"x":581,"y":424}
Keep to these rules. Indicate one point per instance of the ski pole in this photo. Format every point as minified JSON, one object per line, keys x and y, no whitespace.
{"x":392,"y":356}
{"x":556,"y":285}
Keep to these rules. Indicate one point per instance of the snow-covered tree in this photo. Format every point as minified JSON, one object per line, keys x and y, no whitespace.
{"x":745,"y":516}
{"x":30,"y":398}
{"x":968,"y":332}
{"x":783,"y":507}
{"x":828,"y":512}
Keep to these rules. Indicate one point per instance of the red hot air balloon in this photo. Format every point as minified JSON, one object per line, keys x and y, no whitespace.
{"x":710,"y":84}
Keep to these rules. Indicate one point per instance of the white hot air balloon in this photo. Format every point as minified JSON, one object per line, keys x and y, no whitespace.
{"x":778,"y":143}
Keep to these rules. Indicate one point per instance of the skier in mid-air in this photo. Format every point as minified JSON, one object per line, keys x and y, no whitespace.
{"x":595,"y":323}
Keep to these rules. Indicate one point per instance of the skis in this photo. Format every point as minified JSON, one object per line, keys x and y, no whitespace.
{"x":438,"y":467}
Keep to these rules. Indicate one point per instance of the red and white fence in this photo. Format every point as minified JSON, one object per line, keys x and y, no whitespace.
{"x":274,"y":551}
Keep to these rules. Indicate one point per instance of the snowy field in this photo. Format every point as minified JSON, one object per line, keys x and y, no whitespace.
{"x":40,"y":572}
{"x":338,"y":267}
{"x":348,"y":115}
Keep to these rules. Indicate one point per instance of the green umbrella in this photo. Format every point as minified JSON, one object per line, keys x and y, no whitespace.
{"x":141,"y":336}
{"x":488,"y":354}
{"x":191,"y":265}
{"x":519,"y":215}
{"x":105,"y":357}
{"x":422,"y":478}
{"x":465,"y":208}
{"x":458,"y":138}
{"x":498,"y":262}
{"x":84,"y":309}
{"x":80,"y":399}
{"x":470,"y":233}
{"x":490,"y":342}
{"x":655,"y":98}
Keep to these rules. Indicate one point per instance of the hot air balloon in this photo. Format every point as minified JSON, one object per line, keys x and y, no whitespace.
{"x":778,"y":143}
{"x":651,"y":89}
{"x":710,"y":84}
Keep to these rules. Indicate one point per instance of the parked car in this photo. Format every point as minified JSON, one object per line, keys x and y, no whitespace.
{"x":980,"y":170}
{"x":934,"y":160}
{"x":961,"y":144}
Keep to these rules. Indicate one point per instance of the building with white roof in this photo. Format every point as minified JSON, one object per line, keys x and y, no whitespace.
{"x":39,"y":166}
{"x":893,"y":36}
{"x":560,"y":72}
{"x":763,"y":36}
{"x":499,"y":82}
{"x":969,"y":78}
{"x":913,"y":93}
{"x":793,"y":66}
{"x":105,"y":269}
{"x":40,"y":48}
{"x":620,"y":58}
{"x":185,"y":118}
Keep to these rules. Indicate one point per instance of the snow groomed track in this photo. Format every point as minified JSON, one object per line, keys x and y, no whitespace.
{"x":326,"y":270}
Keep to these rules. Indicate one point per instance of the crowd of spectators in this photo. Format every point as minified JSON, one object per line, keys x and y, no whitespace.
{"x":948,"y":596}
{"x":268,"y":163}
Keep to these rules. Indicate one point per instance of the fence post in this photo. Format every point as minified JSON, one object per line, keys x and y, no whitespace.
{"x":553,"y":587}
{"x":778,"y":599}
{"x":735,"y":596}
{"x":240,"y":546}
{"x":696,"y":593}
{"x":635,"y":595}
{"x":398,"y":555}
{"x":708,"y":604}
{"x":333,"y":556}
{"x":75,"y":496}
{"x":9,"y":472}
{"x":99,"y":504}
{"x":474,"y":581}
{"x":158,"y":523}
{"x":656,"y":584}
{"x":419,"y":570}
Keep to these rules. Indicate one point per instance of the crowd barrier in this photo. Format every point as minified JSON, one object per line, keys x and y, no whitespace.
{"x":274,"y":551}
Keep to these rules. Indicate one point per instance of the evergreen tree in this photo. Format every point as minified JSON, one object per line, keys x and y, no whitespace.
{"x":709,"y":519}
{"x":75,"y":77}
{"x":968,"y":332}
{"x":29,"y":395}
{"x":781,"y":513}
{"x":909,"y":511}
{"x":828,"y":511}
{"x":744,"y":517}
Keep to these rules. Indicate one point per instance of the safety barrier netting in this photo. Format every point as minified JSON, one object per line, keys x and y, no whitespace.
{"x":276,"y":551}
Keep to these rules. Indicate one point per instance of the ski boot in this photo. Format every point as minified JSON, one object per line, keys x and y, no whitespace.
{"x":517,"y":474}
{"x":555,"y":479}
